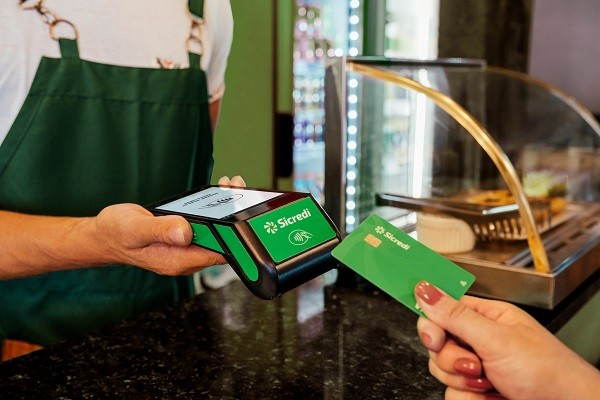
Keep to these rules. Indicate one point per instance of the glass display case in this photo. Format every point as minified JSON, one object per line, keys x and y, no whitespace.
{"x":494,"y":169}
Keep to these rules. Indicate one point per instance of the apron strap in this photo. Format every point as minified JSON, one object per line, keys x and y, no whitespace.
{"x":194,"y":40}
{"x":68,"y":48}
{"x":194,"y":60}
{"x":196,"y":7}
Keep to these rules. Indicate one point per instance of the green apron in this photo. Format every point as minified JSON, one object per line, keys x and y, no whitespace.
{"x":90,"y":135}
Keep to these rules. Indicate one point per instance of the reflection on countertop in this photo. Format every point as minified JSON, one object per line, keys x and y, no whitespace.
{"x":316,"y":342}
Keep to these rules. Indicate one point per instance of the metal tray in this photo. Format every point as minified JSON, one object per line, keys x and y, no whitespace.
{"x":504,"y":270}
{"x":487,"y":222}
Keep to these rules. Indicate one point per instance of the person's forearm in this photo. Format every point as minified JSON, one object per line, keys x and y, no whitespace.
{"x":32,"y":245}
{"x":215,"y":110}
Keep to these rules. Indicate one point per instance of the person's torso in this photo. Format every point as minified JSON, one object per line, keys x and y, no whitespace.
{"x":134,"y":33}
{"x":92,"y":132}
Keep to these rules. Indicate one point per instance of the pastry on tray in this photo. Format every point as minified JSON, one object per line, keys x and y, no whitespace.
{"x":500,"y":197}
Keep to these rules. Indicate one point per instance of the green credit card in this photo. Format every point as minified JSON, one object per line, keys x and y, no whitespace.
{"x":395,"y":262}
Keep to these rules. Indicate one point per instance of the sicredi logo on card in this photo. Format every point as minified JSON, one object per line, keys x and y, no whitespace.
{"x":373,"y":241}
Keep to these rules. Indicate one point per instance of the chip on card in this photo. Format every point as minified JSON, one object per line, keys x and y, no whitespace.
{"x":395,"y":262}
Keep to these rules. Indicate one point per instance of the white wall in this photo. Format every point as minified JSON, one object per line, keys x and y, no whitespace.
{"x":565,"y":47}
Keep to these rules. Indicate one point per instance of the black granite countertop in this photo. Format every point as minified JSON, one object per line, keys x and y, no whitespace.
{"x":315,"y":342}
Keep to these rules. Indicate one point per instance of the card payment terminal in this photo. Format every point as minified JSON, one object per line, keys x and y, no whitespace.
{"x":274,"y":240}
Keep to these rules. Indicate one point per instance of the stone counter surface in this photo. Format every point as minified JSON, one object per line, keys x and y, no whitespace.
{"x":314,"y":342}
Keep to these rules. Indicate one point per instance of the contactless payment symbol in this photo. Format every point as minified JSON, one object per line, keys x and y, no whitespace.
{"x":270,"y":227}
{"x":299,"y":237}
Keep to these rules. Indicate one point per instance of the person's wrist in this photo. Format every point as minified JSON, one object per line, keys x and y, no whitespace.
{"x":99,"y":241}
{"x":576,"y":379}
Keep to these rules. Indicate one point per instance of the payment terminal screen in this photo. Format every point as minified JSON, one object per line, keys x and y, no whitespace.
{"x":217,"y":202}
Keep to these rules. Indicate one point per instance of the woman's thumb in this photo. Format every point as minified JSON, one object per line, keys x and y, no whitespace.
{"x":453,"y":316}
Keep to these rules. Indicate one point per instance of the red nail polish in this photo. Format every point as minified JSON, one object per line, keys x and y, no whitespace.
{"x":479,"y":383}
{"x":465,"y":366}
{"x":428,"y":293}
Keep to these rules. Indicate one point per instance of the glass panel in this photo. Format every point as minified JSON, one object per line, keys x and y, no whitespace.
{"x":401,"y":142}
{"x":464,"y":84}
{"x":552,"y":141}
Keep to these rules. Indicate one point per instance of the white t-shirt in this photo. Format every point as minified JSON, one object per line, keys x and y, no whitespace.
{"x":118,"y":32}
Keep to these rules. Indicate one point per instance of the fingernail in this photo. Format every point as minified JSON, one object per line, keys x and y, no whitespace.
{"x":176,"y":235}
{"x":425,"y":339}
{"x":428,"y":293}
{"x":479,"y":383}
{"x":468,"y":367}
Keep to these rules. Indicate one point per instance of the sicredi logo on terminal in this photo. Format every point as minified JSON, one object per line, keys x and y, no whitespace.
{"x":287,"y":221}
{"x":283,"y":222}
